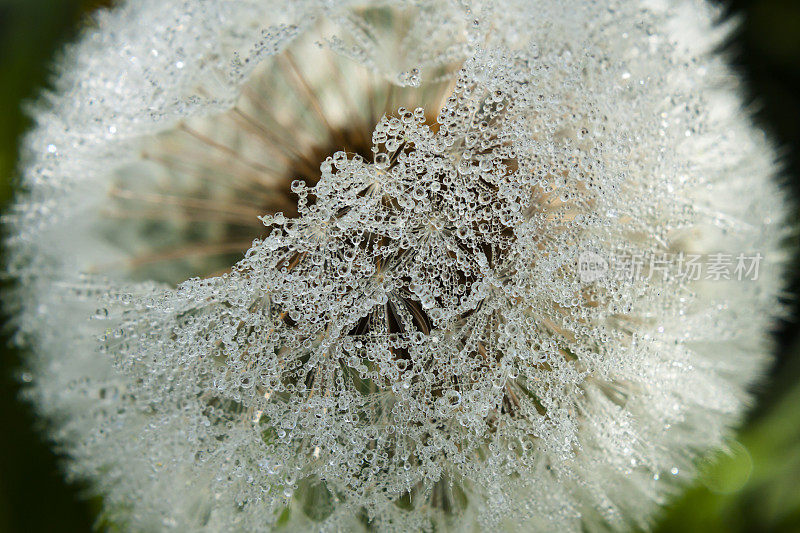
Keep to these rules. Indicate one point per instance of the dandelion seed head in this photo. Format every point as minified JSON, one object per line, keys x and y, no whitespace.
{"x":315,"y":265}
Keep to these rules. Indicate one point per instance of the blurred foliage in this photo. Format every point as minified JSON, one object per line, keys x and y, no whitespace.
{"x":753,"y":486}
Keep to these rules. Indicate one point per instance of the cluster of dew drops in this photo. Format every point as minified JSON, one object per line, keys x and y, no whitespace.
{"x":409,"y":315}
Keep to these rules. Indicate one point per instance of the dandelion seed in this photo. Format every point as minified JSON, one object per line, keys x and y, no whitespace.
{"x":337,"y":249}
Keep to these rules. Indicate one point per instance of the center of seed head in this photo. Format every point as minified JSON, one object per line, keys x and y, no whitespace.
{"x":196,"y":195}
{"x":201,"y":190}
{"x":352,"y":141}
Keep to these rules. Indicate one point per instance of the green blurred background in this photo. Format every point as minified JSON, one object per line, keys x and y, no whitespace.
{"x":754,"y":487}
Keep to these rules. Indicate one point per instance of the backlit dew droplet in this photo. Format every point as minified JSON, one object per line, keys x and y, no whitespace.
{"x":381,"y":160}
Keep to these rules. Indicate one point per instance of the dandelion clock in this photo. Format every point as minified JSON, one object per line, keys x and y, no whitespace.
{"x":396,"y":265}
